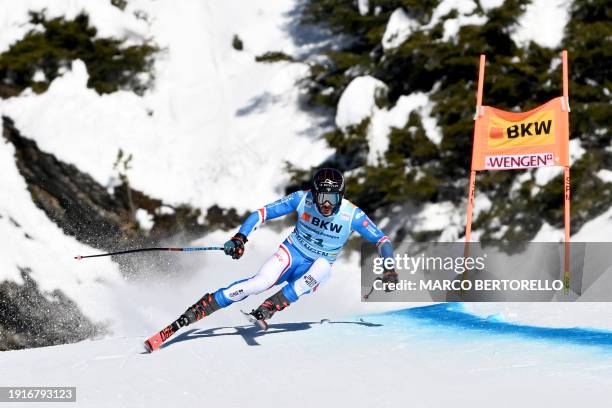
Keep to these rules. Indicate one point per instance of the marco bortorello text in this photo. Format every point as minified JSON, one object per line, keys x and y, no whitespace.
{"x":488,"y":272}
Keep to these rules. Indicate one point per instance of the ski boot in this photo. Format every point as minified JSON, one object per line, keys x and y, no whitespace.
{"x":205,"y":306}
{"x":266,"y":310}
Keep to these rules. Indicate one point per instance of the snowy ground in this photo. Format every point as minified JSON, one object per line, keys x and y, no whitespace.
{"x":432,"y":356}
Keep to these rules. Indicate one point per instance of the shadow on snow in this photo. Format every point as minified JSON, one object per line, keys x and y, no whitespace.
{"x":251,"y":333}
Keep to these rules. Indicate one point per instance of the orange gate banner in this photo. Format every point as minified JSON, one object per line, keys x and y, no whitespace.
{"x":521,"y":140}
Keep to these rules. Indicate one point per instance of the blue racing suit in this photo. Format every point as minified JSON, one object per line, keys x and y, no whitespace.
{"x":304,"y":259}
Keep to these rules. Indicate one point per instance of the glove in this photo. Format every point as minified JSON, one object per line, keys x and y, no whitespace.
{"x":389,"y":276}
{"x":235,"y":246}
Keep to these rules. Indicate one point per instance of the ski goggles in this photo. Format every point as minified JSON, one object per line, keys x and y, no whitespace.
{"x":332,"y":198}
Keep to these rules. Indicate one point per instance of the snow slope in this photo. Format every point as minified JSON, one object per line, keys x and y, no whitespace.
{"x":433,"y":356}
{"x":220,"y":124}
{"x":215,"y":125}
{"x":30,"y":240}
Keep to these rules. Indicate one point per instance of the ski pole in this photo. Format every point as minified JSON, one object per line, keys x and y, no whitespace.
{"x":173,"y":249}
{"x":365,"y":297}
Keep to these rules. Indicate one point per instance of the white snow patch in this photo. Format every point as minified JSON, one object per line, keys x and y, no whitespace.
{"x":488,"y":5}
{"x":542,"y":22}
{"x":466,"y":16}
{"x":446,"y":6}
{"x":39,"y":76}
{"x":397,"y":117}
{"x":452,"y":25}
{"x":599,"y":229}
{"x":605,"y":175}
{"x":524,"y":177}
{"x":399,"y":27}
{"x":440,"y":216}
{"x":543,"y":175}
{"x":145,"y":220}
{"x":363,"y":6}
{"x":482,"y":203}
{"x":548,"y":233}
{"x":358,"y":101}
{"x":575,"y":150}
{"x":165,"y":210}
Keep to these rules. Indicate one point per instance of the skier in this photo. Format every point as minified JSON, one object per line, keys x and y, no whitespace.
{"x":305,"y":258}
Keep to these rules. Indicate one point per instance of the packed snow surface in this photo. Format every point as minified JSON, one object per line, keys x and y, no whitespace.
{"x":432,"y":356}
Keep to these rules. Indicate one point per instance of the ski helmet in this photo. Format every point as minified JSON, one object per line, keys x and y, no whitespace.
{"x":328,"y":185}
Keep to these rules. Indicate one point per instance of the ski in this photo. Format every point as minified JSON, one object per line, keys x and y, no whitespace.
{"x":259,"y":323}
{"x":154,"y":342}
